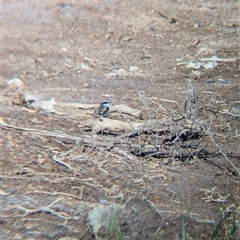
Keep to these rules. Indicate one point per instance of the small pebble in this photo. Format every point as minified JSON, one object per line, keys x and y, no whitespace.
{"x":196,"y":24}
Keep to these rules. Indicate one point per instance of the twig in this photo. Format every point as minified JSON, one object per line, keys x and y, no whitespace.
{"x":81,"y":192}
{"x":210,"y":196}
{"x":146,"y":107}
{"x":217,"y":59}
{"x":56,"y":193}
{"x":221,"y":151}
{"x":229,"y":113}
{"x":55,"y":74}
{"x":42,"y":209}
{"x":162,"y":15}
{"x":167,"y":100}
{"x":61,"y":163}
{"x":55,"y":134}
{"x":42,"y":132}
{"x":124,"y":154}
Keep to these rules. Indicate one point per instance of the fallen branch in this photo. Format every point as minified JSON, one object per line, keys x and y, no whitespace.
{"x":41,"y":132}
{"x":55,"y":134}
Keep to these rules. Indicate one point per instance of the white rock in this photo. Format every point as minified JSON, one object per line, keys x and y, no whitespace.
{"x":85,"y":66}
{"x":133,"y":69}
{"x":194,"y":65}
{"x":117,"y":73}
{"x":16,"y":84}
{"x":210,"y":65}
{"x":47,"y":106}
{"x":64,"y":49}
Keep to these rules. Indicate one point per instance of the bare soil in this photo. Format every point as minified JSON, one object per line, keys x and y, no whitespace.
{"x":137,"y":53}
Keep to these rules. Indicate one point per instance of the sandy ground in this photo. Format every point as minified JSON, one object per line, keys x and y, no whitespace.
{"x":150,"y":56}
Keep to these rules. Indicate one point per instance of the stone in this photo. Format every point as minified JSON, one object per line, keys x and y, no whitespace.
{"x":16,"y":84}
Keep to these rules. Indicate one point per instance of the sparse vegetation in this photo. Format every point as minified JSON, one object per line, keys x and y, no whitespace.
{"x":229,"y":224}
{"x":3,"y":84}
{"x":113,"y":229}
{"x":171,"y":72}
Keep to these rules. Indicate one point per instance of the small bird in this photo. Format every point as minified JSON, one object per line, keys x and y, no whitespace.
{"x":103,"y":110}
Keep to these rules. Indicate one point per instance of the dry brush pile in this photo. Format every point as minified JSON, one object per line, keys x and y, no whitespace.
{"x":194,"y":130}
{"x":93,"y":154}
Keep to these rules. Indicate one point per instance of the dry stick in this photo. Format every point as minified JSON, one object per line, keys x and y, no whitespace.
{"x":45,"y":209}
{"x":99,"y":166}
{"x":55,"y":74}
{"x":55,"y":134}
{"x":130,"y":134}
{"x":81,"y":181}
{"x":42,"y":132}
{"x":229,"y":113}
{"x":210,"y":197}
{"x":140,"y":96}
{"x":167,"y":100}
{"x":81,"y":192}
{"x":42,"y":209}
{"x":120,"y":113}
{"x":61,"y":163}
{"x":71,"y":137}
{"x":221,"y":151}
{"x":56,"y":193}
{"x":26,"y":171}
{"x":217,"y":59}
{"x":124,"y":154}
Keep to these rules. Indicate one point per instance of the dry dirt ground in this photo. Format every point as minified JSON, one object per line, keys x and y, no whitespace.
{"x":68,"y":175}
